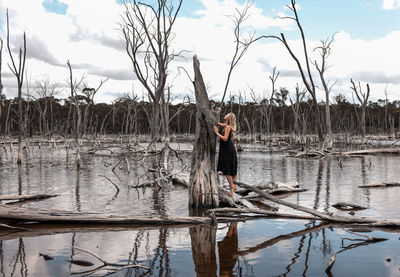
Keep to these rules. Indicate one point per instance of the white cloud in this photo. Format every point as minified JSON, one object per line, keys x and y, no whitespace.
{"x":390,"y":4}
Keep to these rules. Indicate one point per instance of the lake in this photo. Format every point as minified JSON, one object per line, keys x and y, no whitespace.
{"x":263,"y":247}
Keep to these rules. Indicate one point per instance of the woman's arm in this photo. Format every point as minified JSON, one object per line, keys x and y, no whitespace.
{"x":218,"y":118}
{"x":226,"y":132}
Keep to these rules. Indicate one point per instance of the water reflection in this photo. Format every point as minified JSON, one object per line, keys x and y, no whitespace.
{"x":203,"y":250}
{"x":228,"y":251}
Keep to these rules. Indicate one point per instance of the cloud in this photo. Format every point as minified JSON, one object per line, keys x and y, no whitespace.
{"x":390,"y":4}
{"x":102,"y":39}
{"x":377,"y":77}
{"x":116,"y":74}
{"x":37,"y":49}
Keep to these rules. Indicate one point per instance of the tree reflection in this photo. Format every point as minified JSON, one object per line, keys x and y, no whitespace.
{"x":20,"y":258}
{"x":203,"y":250}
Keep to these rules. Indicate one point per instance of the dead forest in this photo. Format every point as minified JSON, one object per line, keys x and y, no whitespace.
{"x":137,"y":131}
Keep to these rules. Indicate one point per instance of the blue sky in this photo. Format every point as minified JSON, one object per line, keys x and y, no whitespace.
{"x":86,"y":32}
{"x":363,"y":19}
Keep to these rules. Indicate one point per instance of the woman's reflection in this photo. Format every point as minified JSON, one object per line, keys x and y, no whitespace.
{"x":228,"y":250}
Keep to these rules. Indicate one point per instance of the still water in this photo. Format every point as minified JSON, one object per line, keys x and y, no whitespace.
{"x":265,"y":247}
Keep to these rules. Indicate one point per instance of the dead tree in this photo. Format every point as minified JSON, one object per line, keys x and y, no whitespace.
{"x":203,"y":189}
{"x":74,"y":86}
{"x":325,"y":51}
{"x":147,"y":36}
{"x":296,"y":111}
{"x":304,"y":69}
{"x":241,"y":47}
{"x":273,"y":79}
{"x":19,"y":74}
{"x":363,"y":99}
{"x":89,"y":94}
{"x":46,"y":92}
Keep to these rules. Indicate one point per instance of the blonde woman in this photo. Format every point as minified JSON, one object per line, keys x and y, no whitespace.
{"x":227,"y":159}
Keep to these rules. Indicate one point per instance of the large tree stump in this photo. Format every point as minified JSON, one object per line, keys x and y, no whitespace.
{"x":203,"y":189}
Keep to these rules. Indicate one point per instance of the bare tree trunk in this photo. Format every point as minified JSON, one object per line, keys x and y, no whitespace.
{"x":203,"y":189}
{"x":325,"y":51}
{"x":363,"y":99}
{"x":74,"y":85}
{"x":19,"y":74}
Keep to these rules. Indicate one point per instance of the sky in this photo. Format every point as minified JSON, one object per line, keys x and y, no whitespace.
{"x":85,"y":32}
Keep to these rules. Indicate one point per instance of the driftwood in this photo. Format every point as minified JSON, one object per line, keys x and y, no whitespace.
{"x":326,"y":217}
{"x":348,"y":206}
{"x":26,"y":197}
{"x":373,"y":152}
{"x":54,"y":216}
{"x":381,"y":185}
{"x":272,"y":188}
{"x":310,"y":153}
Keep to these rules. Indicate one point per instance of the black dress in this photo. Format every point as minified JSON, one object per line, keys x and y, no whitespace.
{"x":227,"y":159}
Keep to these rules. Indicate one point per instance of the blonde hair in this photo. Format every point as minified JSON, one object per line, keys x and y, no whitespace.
{"x":232,"y":123}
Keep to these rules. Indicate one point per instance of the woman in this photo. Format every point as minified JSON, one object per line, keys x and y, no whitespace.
{"x":227,"y":159}
{"x":228,"y":251}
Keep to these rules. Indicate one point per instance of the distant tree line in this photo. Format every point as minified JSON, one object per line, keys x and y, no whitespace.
{"x":46,"y":115}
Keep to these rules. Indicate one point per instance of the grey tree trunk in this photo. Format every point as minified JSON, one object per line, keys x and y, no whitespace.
{"x":203,"y":189}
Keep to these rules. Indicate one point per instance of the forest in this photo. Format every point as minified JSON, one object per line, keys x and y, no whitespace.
{"x":48,"y":116}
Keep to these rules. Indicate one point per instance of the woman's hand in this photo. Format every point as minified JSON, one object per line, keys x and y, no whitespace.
{"x":218,"y":109}
{"x":215,"y":129}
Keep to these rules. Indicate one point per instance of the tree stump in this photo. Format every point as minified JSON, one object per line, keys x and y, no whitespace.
{"x":203,"y":188}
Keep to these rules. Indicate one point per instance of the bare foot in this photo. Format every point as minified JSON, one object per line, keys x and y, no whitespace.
{"x":230,"y":193}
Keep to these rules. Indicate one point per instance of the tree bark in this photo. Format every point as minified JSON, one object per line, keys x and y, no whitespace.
{"x":203,"y":189}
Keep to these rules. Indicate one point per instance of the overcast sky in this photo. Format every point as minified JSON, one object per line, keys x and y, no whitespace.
{"x":365,"y":48}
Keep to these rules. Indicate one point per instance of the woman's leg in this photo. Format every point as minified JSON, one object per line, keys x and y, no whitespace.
{"x":231,"y":185}
{"x":234,"y":185}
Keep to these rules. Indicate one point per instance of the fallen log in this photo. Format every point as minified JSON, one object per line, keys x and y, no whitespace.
{"x":372,"y":152}
{"x":256,"y":211}
{"x":381,"y":185}
{"x":272,"y":188}
{"x":26,"y":197}
{"x":323,"y":216}
{"x":54,"y":216}
{"x":311,"y":153}
{"x":348,"y":206}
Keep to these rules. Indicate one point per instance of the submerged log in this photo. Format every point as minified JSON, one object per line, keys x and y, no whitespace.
{"x":26,"y":197}
{"x":381,"y":185}
{"x":203,"y":188}
{"x":344,"y":206}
